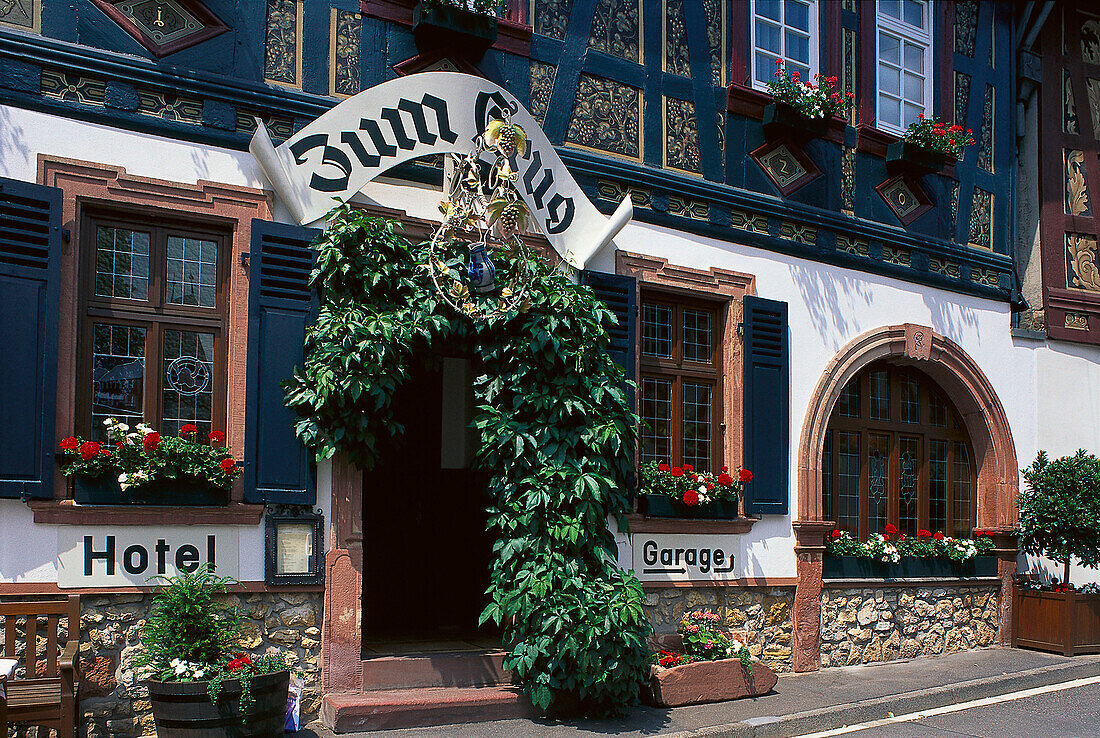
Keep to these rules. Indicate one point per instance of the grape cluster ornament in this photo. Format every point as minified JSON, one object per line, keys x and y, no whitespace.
{"x":484,"y":212}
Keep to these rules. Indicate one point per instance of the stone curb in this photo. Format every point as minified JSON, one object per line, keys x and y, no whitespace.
{"x":836,"y":716}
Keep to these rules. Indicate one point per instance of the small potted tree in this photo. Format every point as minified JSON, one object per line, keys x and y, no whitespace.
{"x":467,"y":25}
{"x":802,"y":108}
{"x":1060,"y":519}
{"x":928,"y":145}
{"x":199,"y":684}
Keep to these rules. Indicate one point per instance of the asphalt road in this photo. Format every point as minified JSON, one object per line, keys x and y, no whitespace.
{"x":1064,"y":714}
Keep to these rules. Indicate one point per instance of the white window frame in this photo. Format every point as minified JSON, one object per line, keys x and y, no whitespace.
{"x":916,"y":36}
{"x":815,"y":53}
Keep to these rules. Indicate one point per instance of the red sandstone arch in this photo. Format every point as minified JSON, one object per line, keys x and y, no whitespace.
{"x":994,"y":457}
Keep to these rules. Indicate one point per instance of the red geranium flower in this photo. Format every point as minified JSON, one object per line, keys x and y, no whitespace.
{"x":228,"y":465}
{"x":725,"y":479}
{"x":151,"y":441}
{"x":835,"y":534}
{"x":677,"y":471}
{"x":710,"y":486}
{"x":89,"y":450}
{"x":69,"y":444}
{"x":922,"y":533}
{"x":744,"y":475}
{"x":890,"y":531}
{"x":937,"y":536}
{"x":691,"y":498}
{"x":216,"y":436}
{"x":188,"y":430}
{"x":688,"y":467}
{"x":105,"y":452}
{"x":901,"y":537}
{"x":662,"y":467}
{"x":725,"y":468}
{"x":240,"y":662}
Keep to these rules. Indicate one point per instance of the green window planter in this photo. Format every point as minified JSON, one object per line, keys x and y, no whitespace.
{"x":438,"y":24}
{"x":660,"y":506}
{"x":182,"y":491}
{"x":906,"y":156}
{"x":910,"y":567}
{"x":781,"y":118}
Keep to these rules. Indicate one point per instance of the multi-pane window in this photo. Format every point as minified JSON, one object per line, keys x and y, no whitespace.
{"x":153,"y":335}
{"x":896,"y":452}
{"x":904,"y":52}
{"x":787,"y":30}
{"x":680,"y":388}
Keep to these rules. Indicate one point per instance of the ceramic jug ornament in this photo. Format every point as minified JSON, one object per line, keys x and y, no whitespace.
{"x":482,"y":270}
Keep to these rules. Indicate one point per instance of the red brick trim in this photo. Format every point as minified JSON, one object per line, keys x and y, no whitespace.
{"x":66,"y":512}
{"x":742,"y":582}
{"x":641,"y":524}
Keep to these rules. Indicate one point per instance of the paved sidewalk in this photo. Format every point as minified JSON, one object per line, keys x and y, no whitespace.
{"x":803,"y":703}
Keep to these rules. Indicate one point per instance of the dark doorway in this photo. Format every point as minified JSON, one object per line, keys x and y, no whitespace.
{"x":425,"y":548}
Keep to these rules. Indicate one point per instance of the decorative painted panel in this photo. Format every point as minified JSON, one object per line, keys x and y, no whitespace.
{"x":71,"y":88}
{"x":905,"y":198}
{"x":750,"y":222}
{"x":966,"y":26}
{"x":1092,"y":91}
{"x":550,"y":17}
{"x":943,"y":266}
{"x":981,"y":219}
{"x":542,"y":84}
{"x":283,"y":44}
{"x":848,"y":179}
{"x":687,"y":208}
{"x":962,"y":97}
{"x":1077,"y":188}
{"x":954,"y":210}
{"x":852,"y":245}
{"x":344,"y":62}
{"x":1077,"y":321}
{"x":25,"y":15}
{"x":615,"y":192}
{"x":675,"y":51}
{"x":798,"y":233}
{"x":985,"y":145}
{"x":606,"y":117}
{"x":278,"y":128}
{"x":848,"y":81}
{"x":985,"y":277}
{"x":164,"y":26}
{"x":1081,"y":270}
{"x":1069,"y":107}
{"x":714,"y":14}
{"x":616,"y":28}
{"x":681,"y":136}
{"x":787,"y":167}
{"x":1090,"y":41}
{"x":170,"y":107}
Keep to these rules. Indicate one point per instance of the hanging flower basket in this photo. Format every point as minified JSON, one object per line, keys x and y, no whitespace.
{"x":781,"y":118}
{"x":442,"y":24}
{"x":919,"y":160}
{"x":662,"y":506}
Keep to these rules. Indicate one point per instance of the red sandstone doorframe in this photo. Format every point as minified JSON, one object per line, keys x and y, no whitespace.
{"x":995,"y":457}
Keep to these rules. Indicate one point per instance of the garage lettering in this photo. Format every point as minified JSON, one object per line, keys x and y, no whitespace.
{"x":701,"y":557}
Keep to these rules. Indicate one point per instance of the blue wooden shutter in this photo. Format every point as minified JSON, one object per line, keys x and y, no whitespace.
{"x":767,"y":407}
{"x":30,"y":252}
{"x":277,"y":466}
{"x":620,"y":294}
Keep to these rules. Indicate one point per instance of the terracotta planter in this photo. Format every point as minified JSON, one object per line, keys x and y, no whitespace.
{"x":781,"y":118}
{"x":707,"y":681}
{"x":1062,"y":622}
{"x":905,"y":156}
{"x":661,"y":506}
{"x":184,"y":710}
{"x":910,"y":567}
{"x":182,"y":491}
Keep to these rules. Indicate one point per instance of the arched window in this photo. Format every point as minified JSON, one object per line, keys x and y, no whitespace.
{"x":896,"y":451}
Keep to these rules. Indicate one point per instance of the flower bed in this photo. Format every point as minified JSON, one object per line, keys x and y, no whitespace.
{"x":893,"y":555}
{"x":681,"y":492}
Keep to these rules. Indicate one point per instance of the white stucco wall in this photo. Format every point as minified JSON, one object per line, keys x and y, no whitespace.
{"x":1050,"y":391}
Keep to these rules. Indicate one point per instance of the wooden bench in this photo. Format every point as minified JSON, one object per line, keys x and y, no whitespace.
{"x":45,"y":693}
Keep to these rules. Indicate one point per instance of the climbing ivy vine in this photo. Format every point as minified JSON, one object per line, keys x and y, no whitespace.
{"x":556,"y":431}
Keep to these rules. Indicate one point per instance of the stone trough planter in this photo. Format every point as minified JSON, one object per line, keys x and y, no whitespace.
{"x":708,"y":681}
{"x":1062,"y":622}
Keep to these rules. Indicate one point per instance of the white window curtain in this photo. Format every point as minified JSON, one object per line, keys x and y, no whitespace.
{"x":783,"y":29}
{"x":904,"y":71}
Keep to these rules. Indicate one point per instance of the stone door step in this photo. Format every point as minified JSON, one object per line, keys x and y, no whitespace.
{"x":445,"y":669}
{"x":347,"y":712}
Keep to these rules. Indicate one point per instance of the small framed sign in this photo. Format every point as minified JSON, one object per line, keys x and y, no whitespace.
{"x":295,"y":543}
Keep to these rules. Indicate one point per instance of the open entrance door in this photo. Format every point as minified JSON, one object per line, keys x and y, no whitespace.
{"x":425,"y":548}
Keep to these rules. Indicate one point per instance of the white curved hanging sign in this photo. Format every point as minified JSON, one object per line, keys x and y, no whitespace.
{"x":336,"y":155}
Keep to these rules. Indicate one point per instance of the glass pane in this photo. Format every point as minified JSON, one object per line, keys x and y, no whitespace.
{"x":889,"y":49}
{"x":796,"y":14}
{"x":192,"y":267}
{"x":914,"y":88}
{"x":698,"y":336}
{"x":891,"y":8}
{"x":910,"y":400}
{"x":802,"y":70}
{"x":937,"y":411}
{"x":656,"y":330}
{"x":880,"y":395}
{"x":122,"y":263}
{"x":697,"y":426}
{"x":911,"y":114}
{"x":798,"y":49}
{"x":937,"y":486}
{"x":827,"y":477}
{"x":656,"y":414}
{"x":847,"y":481}
{"x":908,"y":475}
{"x":188,"y":392}
{"x":848,"y":403}
{"x":962,"y":518}
{"x":914,"y":58}
{"x":889,"y":80}
{"x":769,"y":38}
{"x":765,"y":67}
{"x":768,"y":9}
{"x":889,"y":110}
{"x":914,"y":13}
{"x":118,"y":375}
{"x":878,"y":483}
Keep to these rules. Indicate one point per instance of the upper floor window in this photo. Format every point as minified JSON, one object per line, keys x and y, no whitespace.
{"x":904,"y":54}
{"x":680,"y":387}
{"x":783,"y":29}
{"x":152,"y":334}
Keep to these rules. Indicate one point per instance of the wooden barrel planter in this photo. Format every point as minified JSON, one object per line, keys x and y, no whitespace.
{"x":184,"y":710}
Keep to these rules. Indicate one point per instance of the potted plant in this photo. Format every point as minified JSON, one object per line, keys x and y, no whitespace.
{"x":803,"y":108}
{"x":893,"y":555}
{"x":681,"y":492}
{"x":927,"y":146}
{"x":468,"y":25}
{"x":703,"y":662}
{"x":1060,"y":519}
{"x":142,"y":466}
{"x":199,"y":684}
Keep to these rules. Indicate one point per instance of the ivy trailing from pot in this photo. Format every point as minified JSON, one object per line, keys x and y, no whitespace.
{"x":556,"y":434}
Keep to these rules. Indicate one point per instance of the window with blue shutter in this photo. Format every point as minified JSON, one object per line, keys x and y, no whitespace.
{"x":30,"y":251}
{"x":767,"y":407}
{"x":277,"y":467}
{"x":620,"y":294}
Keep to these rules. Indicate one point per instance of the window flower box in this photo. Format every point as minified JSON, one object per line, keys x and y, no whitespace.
{"x":1061,"y":622}
{"x":909,"y":567}
{"x":439,"y":23}
{"x":662,"y":506}
{"x":782,"y":118}
{"x":184,"y":491}
{"x":907,"y":156}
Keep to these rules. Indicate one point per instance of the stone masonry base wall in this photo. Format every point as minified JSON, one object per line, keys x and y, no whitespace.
{"x":114,"y":704}
{"x":868,"y":624}
{"x":761,"y":616}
